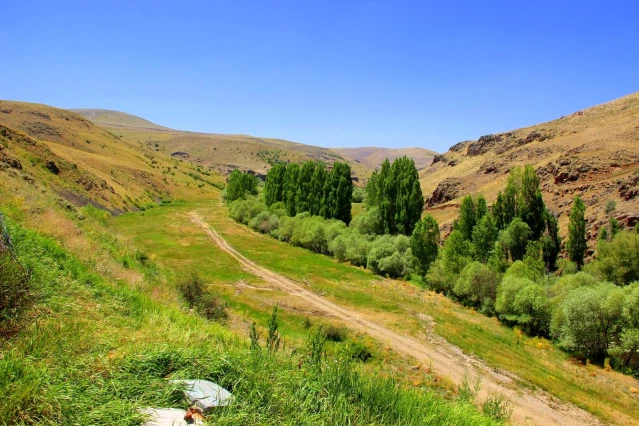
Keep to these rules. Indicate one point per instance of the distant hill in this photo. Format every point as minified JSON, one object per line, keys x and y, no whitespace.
{"x":592,"y":153}
{"x":372,"y":157}
{"x":107,"y":117}
{"x":221,"y":152}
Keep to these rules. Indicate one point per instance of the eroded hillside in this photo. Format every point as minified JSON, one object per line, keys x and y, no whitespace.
{"x":372,"y":156}
{"x":591,"y":153}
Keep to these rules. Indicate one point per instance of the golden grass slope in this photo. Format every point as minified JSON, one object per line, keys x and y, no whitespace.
{"x":108,"y":117}
{"x":373,"y":157}
{"x":84,"y":163}
{"x":220,"y":152}
{"x":592,"y":153}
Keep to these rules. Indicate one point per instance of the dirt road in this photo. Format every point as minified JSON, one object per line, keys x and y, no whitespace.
{"x":538,"y":408}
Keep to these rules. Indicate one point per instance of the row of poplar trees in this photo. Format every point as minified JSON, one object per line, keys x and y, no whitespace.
{"x":311,"y":188}
{"x":396,"y":192}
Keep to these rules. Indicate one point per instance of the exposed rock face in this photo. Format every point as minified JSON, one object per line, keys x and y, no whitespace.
{"x":502,"y":142}
{"x":439,"y":158}
{"x":629,"y":189}
{"x":7,"y":160}
{"x":180,"y":154}
{"x":458,"y":147}
{"x":490,"y":167}
{"x":447,"y":190}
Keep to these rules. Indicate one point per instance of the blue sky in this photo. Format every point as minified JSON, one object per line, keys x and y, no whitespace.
{"x":329,"y":73}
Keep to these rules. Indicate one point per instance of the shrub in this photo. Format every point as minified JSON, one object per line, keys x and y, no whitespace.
{"x":477,"y":286}
{"x":334,"y":334}
{"x":618,"y":260}
{"x":244,"y":211}
{"x":14,"y":288}
{"x":592,"y":319}
{"x":390,"y":255}
{"x":359,"y":352}
{"x":204,"y":301}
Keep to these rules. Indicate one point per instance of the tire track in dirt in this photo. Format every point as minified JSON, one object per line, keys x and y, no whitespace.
{"x":538,"y":408}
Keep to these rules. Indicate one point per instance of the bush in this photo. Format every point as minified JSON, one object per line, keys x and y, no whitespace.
{"x":477,"y":286}
{"x":592,"y":318}
{"x":204,"y":301}
{"x":618,"y":260}
{"x":368,"y":222}
{"x":359,"y":352}
{"x":390,"y":255}
{"x":244,"y":211}
{"x":265,"y":222}
{"x":334,"y":334}
{"x":14,"y":289}
{"x":522,"y":302}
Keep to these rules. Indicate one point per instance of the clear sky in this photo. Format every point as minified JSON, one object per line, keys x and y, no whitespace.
{"x":329,"y":73}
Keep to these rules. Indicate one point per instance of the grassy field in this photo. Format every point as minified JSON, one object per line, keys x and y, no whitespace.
{"x":396,"y":305}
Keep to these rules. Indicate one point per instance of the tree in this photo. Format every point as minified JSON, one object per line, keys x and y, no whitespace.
{"x":467,"y":218}
{"x":531,"y":205}
{"x":290,"y":188}
{"x":316,"y":197}
{"x":304,"y":187}
{"x":484,"y":234}
{"x":396,"y":192}
{"x":338,"y":193}
{"x":550,"y":241}
{"x":592,"y":319}
{"x":515,"y":238}
{"x":481,"y":208}
{"x":274,"y":185}
{"x":456,"y":253}
{"x":240,"y":185}
{"x":577,"y":243}
{"x":424,"y":244}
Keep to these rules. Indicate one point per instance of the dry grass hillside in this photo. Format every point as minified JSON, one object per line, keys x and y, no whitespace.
{"x":372,"y":157}
{"x":592,"y":153}
{"x":62,"y":151}
{"x":219,"y":152}
{"x":108,"y":117}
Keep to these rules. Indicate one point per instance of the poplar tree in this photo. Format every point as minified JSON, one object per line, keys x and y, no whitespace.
{"x":274,"y":185}
{"x":424,"y":244}
{"x":576,"y":245}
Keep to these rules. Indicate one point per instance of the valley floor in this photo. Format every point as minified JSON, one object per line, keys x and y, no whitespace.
{"x":447,"y":341}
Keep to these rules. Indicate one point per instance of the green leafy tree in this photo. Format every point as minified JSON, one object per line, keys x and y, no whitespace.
{"x":467,"y":218}
{"x":481,"y":208}
{"x":274,"y":185}
{"x":289,"y":192}
{"x":396,"y":192}
{"x":456,"y":253}
{"x":485,"y":235}
{"x":304,"y":187}
{"x":424,"y":244}
{"x":531,"y":207}
{"x":550,"y":241}
{"x":577,"y":243}
{"x":316,"y":197}
{"x":515,"y":238}
{"x":240,"y":185}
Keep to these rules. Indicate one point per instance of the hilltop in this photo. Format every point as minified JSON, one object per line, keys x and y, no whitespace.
{"x":372,"y":157}
{"x":590,"y":153}
{"x":108,"y":117}
{"x":221,"y":153}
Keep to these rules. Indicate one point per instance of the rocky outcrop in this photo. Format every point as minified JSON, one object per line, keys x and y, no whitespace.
{"x":503,"y":142}
{"x":629,"y":188}
{"x":447,"y":190}
{"x":180,"y":154}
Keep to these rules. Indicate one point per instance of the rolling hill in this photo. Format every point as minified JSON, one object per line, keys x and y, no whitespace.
{"x":86,"y":164}
{"x":591,"y":153}
{"x":372,"y":157}
{"x":108,"y":117}
{"x":220,"y":152}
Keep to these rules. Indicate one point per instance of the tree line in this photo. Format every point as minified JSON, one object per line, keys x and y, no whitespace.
{"x":311,"y":188}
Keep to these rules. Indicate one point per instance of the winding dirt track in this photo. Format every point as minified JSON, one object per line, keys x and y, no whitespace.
{"x":538,"y":408}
